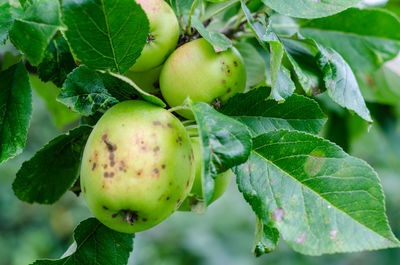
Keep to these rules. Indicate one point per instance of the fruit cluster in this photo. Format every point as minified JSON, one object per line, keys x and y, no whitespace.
{"x":139,"y":164}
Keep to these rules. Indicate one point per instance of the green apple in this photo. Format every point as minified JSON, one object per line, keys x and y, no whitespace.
{"x":196,"y":194}
{"x":137,"y":166}
{"x":163,"y":35}
{"x":148,"y":81}
{"x":195,"y":70}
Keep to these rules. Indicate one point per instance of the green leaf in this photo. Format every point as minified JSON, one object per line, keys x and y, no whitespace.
{"x":217,"y":40}
{"x":87,"y":91}
{"x":57,"y":63}
{"x":393,"y":6}
{"x":225,"y":143}
{"x":6,"y":20}
{"x":262,"y":115}
{"x":310,"y":8}
{"x":282,"y":85}
{"x":123,"y":88}
{"x":96,"y":244}
{"x":341,"y":83}
{"x":279,"y":91}
{"x":181,"y":9}
{"x":60,"y":114}
{"x":266,"y":238}
{"x":255,"y":64}
{"x":53,"y":169}
{"x":319,"y":198}
{"x":301,"y":55}
{"x":107,"y":35}
{"x":32,"y":32}
{"x":363,"y":44}
{"x":15,"y":110}
{"x":382,"y":86}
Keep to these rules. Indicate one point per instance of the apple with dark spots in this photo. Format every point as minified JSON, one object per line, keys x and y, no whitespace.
{"x":163,"y":34}
{"x":196,"y":194}
{"x":195,"y":70}
{"x":147,"y":81}
{"x":137,"y":166}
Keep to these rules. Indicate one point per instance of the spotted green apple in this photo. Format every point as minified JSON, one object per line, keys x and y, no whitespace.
{"x":196,"y":194}
{"x":195,"y":70}
{"x":137,"y":166}
{"x":163,"y":35}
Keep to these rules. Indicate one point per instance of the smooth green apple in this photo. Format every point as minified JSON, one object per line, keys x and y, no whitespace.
{"x":148,"y":81}
{"x":196,"y":194}
{"x":137,"y":166}
{"x":195,"y":70}
{"x":163,"y":35}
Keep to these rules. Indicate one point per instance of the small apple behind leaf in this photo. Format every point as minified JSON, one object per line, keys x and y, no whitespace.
{"x":163,"y":35}
{"x":137,"y":166}
{"x":195,"y":199}
{"x":195,"y":70}
{"x":147,"y":81}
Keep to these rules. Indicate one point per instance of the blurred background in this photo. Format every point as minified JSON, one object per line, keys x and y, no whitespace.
{"x":224,"y":234}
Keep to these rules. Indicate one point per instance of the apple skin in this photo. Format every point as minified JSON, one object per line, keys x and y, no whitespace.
{"x":163,"y":35}
{"x":221,"y":181}
{"x":137,"y":166}
{"x":148,"y":81}
{"x":195,"y":70}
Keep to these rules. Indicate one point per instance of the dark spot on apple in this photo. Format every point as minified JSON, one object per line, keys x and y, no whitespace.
{"x":114,"y":215}
{"x":223,"y":81}
{"x":111,"y":174}
{"x":235,"y":63}
{"x":111,"y":157}
{"x":156,"y":123}
{"x":84,"y":189}
{"x":222,"y":69}
{"x":229,"y":90}
{"x":187,"y":184}
{"x":139,"y":172}
{"x":94,"y":166}
{"x":178,"y":201}
{"x":179,"y":140}
{"x":105,"y":166}
{"x":156,"y":149}
{"x":144,"y":219}
{"x":167,"y":198}
{"x":111,"y":148}
{"x":142,"y":142}
{"x":143,"y":148}
{"x":105,"y":207}
{"x":156,"y":170}
{"x":163,"y":166}
{"x":169,"y":125}
{"x":106,"y":174}
{"x":229,"y":71}
{"x":223,"y":62}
